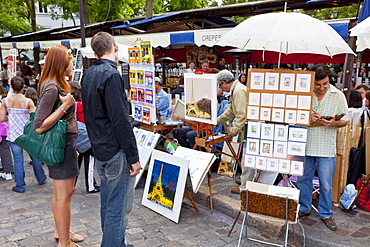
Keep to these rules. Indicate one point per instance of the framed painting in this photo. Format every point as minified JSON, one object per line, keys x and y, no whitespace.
{"x":253,"y":146}
{"x":200,"y":98}
{"x":254,"y":99}
{"x":249,"y":161}
{"x":253,"y":129}
{"x":290,"y":116}
{"x":165,"y":184}
{"x":266,"y":99}
{"x":265,"y":114}
{"x":303,"y":83}
{"x":261,"y":163}
{"x":284,"y":166}
{"x":291,"y":101}
{"x":267,"y":131}
{"x":297,"y":134}
{"x":277,"y":115}
{"x":287,"y":82}
{"x":253,"y":112}
{"x":272,"y":81}
{"x":304,"y":102}
{"x":272,"y":165}
{"x":296,"y":168}
{"x":257,"y":80}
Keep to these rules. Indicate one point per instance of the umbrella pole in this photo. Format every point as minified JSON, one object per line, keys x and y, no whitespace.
{"x":280,"y":54}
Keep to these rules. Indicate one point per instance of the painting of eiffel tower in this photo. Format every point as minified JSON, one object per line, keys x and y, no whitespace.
{"x":163,"y":183}
{"x":201,"y":98}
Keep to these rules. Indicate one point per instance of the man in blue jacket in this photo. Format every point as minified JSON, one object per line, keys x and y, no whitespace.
{"x":106,"y":111}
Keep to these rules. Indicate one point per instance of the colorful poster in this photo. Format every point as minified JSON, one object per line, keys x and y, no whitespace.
{"x":138,"y":112}
{"x":140,"y":77}
{"x":141,"y":95}
{"x":149,"y":96}
{"x":134,"y":55}
{"x":133,"y":77}
{"x":146,"y":52}
{"x":149,"y":78}
{"x":146,"y":114}
{"x":133,"y":94}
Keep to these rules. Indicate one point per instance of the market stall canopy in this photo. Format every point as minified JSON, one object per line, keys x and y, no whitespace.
{"x":122,"y":52}
{"x":286,"y":33}
{"x":362,"y":31}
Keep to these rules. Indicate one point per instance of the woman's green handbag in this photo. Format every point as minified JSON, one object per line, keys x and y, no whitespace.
{"x":47,"y":147}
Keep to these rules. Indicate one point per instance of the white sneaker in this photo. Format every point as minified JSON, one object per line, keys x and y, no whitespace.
{"x":6,"y":176}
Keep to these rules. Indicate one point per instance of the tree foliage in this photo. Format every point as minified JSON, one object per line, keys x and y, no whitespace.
{"x":14,"y":17}
{"x":334,"y":13}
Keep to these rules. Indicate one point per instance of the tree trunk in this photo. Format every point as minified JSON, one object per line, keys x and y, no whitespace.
{"x":36,"y":51}
{"x":86,"y":12}
{"x":149,"y":13}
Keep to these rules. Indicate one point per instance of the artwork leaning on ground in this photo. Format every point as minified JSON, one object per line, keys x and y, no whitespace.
{"x":165,"y":184}
{"x":201,"y":98}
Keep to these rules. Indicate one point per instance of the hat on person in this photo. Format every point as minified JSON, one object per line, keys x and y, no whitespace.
{"x":157,"y":79}
{"x":224,"y":75}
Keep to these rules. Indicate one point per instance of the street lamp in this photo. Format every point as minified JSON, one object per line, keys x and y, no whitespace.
{"x":237,"y":53}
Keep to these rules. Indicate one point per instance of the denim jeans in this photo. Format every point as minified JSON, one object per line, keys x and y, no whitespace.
{"x":325,"y":167}
{"x":117,"y":194}
{"x":19,"y":174}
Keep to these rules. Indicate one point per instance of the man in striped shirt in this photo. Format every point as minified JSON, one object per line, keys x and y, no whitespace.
{"x":327,"y":102}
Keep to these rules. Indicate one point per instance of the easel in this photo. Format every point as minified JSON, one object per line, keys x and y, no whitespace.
{"x":156,"y":128}
{"x":206,"y":140}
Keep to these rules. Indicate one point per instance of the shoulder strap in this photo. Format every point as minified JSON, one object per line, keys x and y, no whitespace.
{"x":361,"y":141}
{"x":43,"y":88}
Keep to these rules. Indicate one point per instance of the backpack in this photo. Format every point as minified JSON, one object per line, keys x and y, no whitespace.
{"x":83,"y":143}
{"x":363,"y":200}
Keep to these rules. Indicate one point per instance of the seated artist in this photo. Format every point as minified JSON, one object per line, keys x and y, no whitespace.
{"x":162,"y":101}
{"x":179,"y":90}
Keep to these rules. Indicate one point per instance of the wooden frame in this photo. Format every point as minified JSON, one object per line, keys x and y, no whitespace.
{"x":289,"y":88}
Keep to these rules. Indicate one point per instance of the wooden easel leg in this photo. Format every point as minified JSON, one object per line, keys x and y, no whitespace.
{"x":194,"y":205}
{"x":210,"y":190}
{"x":236,"y":219}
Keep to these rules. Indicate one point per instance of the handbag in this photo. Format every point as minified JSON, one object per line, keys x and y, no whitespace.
{"x":363,"y":200}
{"x":357,"y":157}
{"x":47,"y":147}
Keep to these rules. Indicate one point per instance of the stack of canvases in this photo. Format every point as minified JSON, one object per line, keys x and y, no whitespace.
{"x":347,"y":137}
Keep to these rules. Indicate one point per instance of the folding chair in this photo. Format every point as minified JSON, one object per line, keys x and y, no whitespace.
{"x":315,"y":187}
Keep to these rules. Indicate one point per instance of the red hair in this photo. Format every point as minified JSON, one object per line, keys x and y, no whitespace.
{"x":56,"y":63}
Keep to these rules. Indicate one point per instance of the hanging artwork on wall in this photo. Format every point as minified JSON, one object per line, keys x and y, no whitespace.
{"x":165,"y":184}
{"x":201,"y":98}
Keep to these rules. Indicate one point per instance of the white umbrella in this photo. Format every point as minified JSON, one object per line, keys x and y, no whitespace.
{"x":286,"y":33}
{"x":122,"y":52}
{"x":362,"y":31}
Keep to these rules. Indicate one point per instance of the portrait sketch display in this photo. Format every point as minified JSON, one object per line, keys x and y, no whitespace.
{"x":284,"y":166}
{"x":304,"y":102}
{"x":287,"y":82}
{"x":265,"y":114}
{"x":290,"y":116}
{"x":266,"y":99}
{"x":267,"y":131}
{"x":277,"y":115}
{"x":254,"y":99}
{"x":200,"y":98}
{"x":261,"y":163}
{"x":254,"y":129}
{"x":253,"y":146}
{"x":165,"y":184}
{"x":257,"y":80}
{"x":303,"y":117}
{"x":266,"y":148}
{"x":291,"y":101}
{"x":249,"y":161}
{"x":279,"y":100}
{"x":280,"y":149}
{"x":303,"y":83}
{"x":253,"y":112}
{"x":272,"y":81}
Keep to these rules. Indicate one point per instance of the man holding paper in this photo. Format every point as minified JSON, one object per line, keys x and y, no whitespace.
{"x":327,"y":103}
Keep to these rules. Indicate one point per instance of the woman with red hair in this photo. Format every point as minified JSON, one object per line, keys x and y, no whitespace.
{"x":54,"y":89}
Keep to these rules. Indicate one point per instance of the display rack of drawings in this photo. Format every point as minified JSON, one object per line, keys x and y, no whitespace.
{"x":278,"y":111}
{"x":142,"y":87}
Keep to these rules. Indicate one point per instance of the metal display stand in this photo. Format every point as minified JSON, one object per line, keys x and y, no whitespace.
{"x":245,"y":222}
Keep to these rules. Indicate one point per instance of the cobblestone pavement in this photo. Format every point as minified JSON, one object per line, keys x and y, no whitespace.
{"x":26,"y":219}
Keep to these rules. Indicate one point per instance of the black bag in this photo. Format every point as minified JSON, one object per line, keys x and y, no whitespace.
{"x":357,"y":157}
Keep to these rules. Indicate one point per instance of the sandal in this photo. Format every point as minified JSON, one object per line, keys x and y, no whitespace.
{"x":73,"y":244}
{"x":73,"y":236}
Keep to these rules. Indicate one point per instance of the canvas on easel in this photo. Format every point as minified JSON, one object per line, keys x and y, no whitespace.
{"x":201,"y":97}
{"x":165,"y":184}
{"x":228,"y":165}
